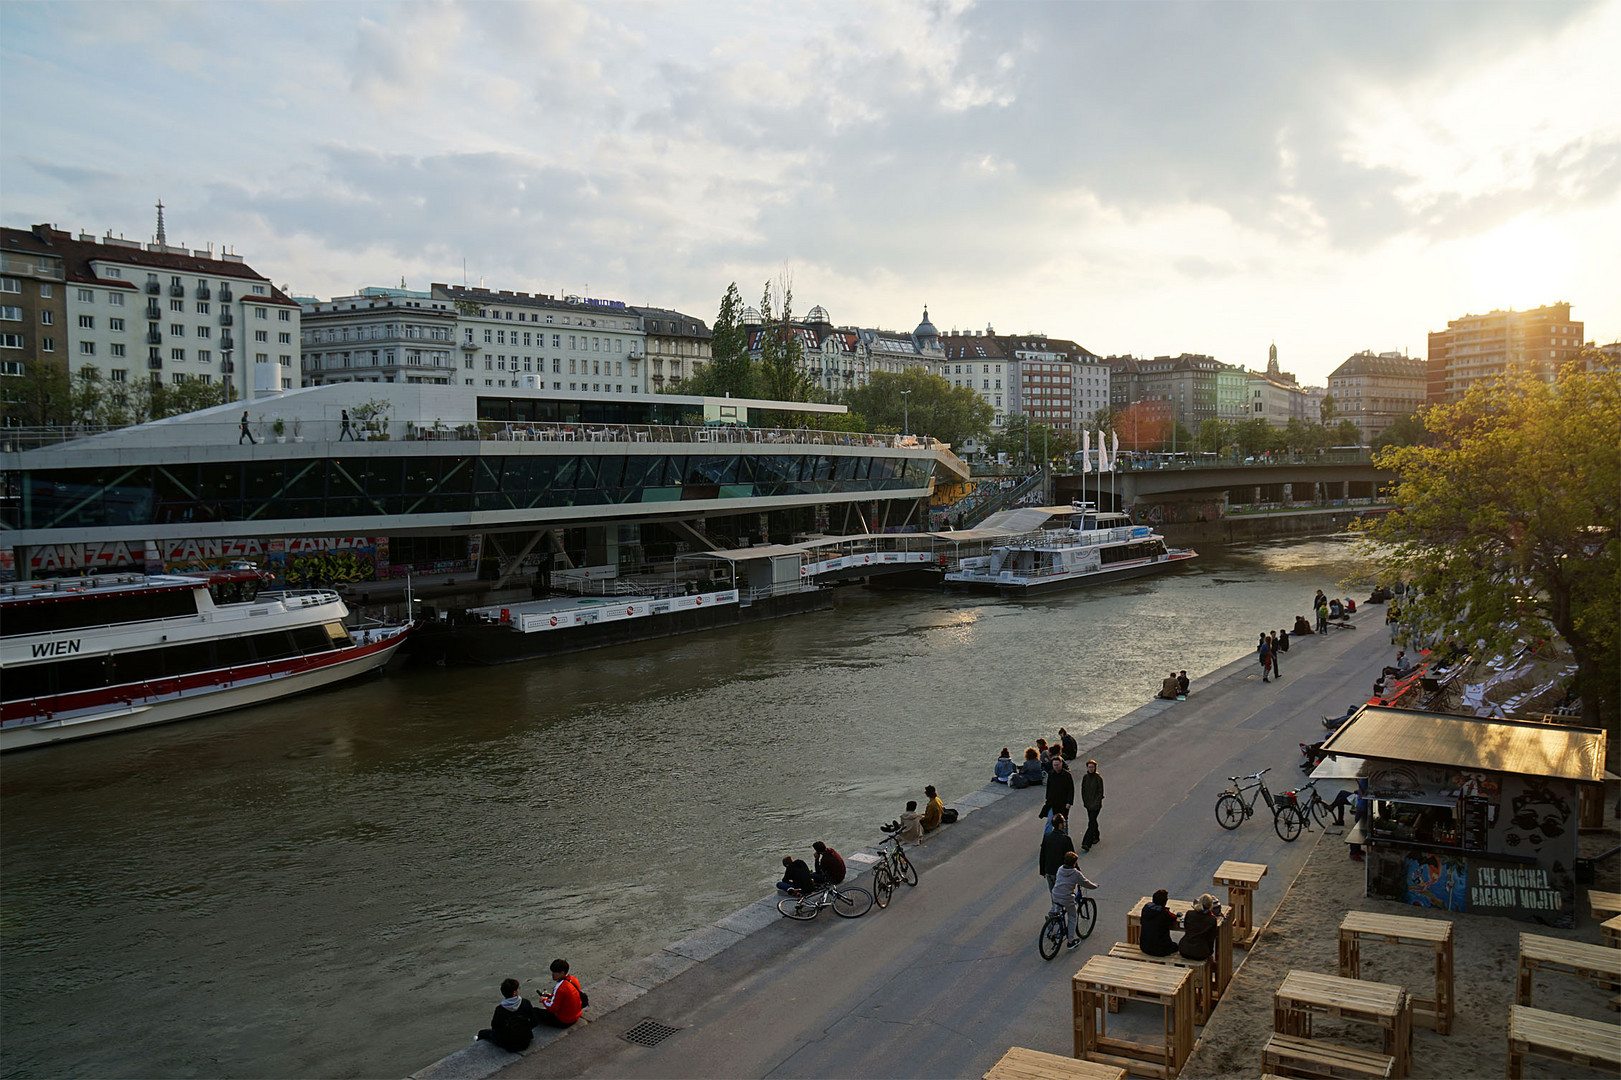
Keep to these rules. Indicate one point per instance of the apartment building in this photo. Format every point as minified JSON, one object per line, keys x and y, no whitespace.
{"x":978,"y":362}
{"x":1374,"y":391}
{"x":678,"y":346}
{"x":380,"y":335}
{"x":515,"y":339}
{"x":1488,"y":346}
{"x":33,"y":302}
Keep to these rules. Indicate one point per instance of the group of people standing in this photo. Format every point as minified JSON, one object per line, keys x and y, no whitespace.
{"x":1268,"y":651}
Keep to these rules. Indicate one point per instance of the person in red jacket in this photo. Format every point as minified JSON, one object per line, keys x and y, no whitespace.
{"x":829,"y":864}
{"x":560,"y":1006}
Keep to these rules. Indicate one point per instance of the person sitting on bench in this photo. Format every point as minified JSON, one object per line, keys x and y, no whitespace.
{"x":1401,"y":667}
{"x":1199,"y":928}
{"x":1157,"y":923}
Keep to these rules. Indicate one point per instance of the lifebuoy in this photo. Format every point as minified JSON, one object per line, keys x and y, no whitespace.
{"x":554,"y":620}
{"x":630,"y":611}
{"x":698,"y":600}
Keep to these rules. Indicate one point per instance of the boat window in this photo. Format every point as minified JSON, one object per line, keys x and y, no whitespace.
{"x":71,"y":613}
{"x":234,"y":592}
{"x":339,"y":636}
{"x":312,"y":639}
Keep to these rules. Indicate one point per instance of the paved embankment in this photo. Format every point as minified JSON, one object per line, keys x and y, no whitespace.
{"x":947,"y":978}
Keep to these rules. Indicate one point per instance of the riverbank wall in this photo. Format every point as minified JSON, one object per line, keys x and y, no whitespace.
{"x":1247,"y":528}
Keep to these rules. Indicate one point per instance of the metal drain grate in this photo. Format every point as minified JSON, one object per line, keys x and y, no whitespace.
{"x":649,"y":1033}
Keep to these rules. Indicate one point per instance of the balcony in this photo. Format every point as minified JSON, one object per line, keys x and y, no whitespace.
{"x":204,"y":292}
{"x":154,"y":313}
{"x":225,"y":294}
{"x":154,"y":363}
{"x":154,"y":337}
{"x":178,"y":291}
{"x":226,"y":343}
{"x":226,"y":318}
{"x":153,"y":288}
{"x":470,"y":346}
{"x":226,"y":367}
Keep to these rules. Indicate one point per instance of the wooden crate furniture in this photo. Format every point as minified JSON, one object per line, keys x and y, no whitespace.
{"x":1433,"y":934}
{"x":1204,"y":977}
{"x":1571,"y":1040}
{"x":1604,"y":904}
{"x":1021,"y":1064}
{"x":1169,"y":987}
{"x":1308,"y":1057}
{"x":1241,"y":879}
{"x":1224,"y":939}
{"x":1578,"y":958}
{"x":1611,"y":929}
{"x":1305,"y":994}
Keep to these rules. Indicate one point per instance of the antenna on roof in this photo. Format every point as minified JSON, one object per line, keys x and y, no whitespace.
{"x":162,"y":238}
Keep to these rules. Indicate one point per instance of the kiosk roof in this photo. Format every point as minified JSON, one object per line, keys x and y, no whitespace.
{"x":1511,"y":746}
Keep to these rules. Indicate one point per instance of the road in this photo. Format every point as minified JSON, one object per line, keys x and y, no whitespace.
{"x":946,"y":979}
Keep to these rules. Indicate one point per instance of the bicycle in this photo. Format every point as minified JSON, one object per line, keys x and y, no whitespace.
{"x":1054,"y":933}
{"x":1296,"y":811}
{"x":892,"y":868}
{"x":846,"y":900}
{"x":1231,"y":807}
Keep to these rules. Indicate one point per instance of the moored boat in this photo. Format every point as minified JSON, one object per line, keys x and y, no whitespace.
{"x":1091,"y":547}
{"x":89,"y":656}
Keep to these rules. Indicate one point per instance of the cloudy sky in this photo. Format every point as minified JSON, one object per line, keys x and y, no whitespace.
{"x":1142,"y":177}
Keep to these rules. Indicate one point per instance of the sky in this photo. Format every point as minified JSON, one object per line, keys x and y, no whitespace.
{"x":1149,"y":178}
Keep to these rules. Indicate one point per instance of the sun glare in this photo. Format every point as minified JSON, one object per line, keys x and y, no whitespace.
{"x":1523,"y":264}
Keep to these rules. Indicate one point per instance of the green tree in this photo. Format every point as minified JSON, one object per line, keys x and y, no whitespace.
{"x":1255,"y":436}
{"x":42,"y":396}
{"x":1346,"y":433}
{"x":1509,"y":525}
{"x":1406,"y":430}
{"x":930,"y":406}
{"x":1213,"y":436}
{"x":730,"y":369}
{"x":1327,"y":409}
{"x":782,"y":374}
{"x":1020,"y":433}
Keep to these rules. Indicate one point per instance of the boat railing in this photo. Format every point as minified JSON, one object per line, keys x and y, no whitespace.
{"x":299,"y":598}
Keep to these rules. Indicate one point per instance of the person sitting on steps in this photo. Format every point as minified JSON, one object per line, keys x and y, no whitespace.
{"x":1167,"y":688}
{"x":512,"y":1026}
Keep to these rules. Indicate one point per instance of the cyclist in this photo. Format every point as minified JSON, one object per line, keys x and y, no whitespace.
{"x":1065,"y":895}
{"x":829,"y":865}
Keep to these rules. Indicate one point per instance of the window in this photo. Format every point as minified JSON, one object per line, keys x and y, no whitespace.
{"x":178,"y":355}
{"x":487,"y":335}
{"x":48,"y":318}
{"x":11,"y":341}
{"x":261,"y":358}
{"x":178,"y":377}
{"x":116,"y":299}
{"x":205,"y":331}
{"x":112,"y":324}
{"x":202,"y":307}
{"x":259,"y":290}
{"x":13,"y":285}
{"x":557,"y":339}
{"x":47,"y":344}
{"x":261,"y":335}
{"x":284,"y":339}
{"x":284,"y":315}
{"x":87,"y":322}
{"x":260,"y":313}
{"x":177,"y":329}
{"x":118,"y":374}
{"x":177,"y":305}
{"x":205,"y":379}
{"x":116,"y":349}
{"x":45,"y":289}
{"x":286,"y":360}
{"x":205,"y":356}
{"x":9,"y":313}
{"x":86,"y":348}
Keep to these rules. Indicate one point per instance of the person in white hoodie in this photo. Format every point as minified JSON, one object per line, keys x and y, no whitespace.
{"x":1065,"y":894}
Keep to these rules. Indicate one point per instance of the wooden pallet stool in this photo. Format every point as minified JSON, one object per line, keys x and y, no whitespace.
{"x":1595,"y":962}
{"x":1203,"y":977}
{"x":1223,"y":956}
{"x":1171,"y":988}
{"x":1590,"y":1044}
{"x":1297,"y":1056}
{"x":1021,"y":1064}
{"x":1604,"y":904}
{"x":1241,"y":879}
{"x":1432,"y":934}
{"x":1305,"y":994}
{"x":1611,"y":929}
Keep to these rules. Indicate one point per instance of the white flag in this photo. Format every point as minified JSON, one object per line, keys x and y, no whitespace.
{"x":1103,"y":455}
{"x":1086,"y":451}
{"x":1114,"y":451}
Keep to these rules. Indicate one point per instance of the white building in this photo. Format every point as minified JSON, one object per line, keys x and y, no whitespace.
{"x":515,"y":339}
{"x":381,"y":335}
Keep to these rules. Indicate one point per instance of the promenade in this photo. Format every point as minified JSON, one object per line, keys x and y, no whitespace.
{"x":947,"y":978}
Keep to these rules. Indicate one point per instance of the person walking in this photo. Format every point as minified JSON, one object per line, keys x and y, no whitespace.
{"x":246,"y":434}
{"x":1092,"y":799}
{"x":1054,"y":846}
{"x":1060,"y":792}
{"x":347,"y":432}
{"x":1263,"y":652}
{"x":1272,"y":645}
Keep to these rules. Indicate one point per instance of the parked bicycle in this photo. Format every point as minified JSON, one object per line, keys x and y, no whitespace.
{"x":849,"y":901}
{"x":1296,"y":810}
{"x":1054,"y":932}
{"x":892,"y":868}
{"x":1231,"y":805}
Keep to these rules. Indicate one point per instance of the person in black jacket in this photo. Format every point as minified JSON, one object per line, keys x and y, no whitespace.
{"x":1199,"y":928}
{"x":513,"y":1025}
{"x":1053,"y":848}
{"x":1060,"y":792}
{"x":1071,"y":748}
{"x":796,"y":876}
{"x":1158,"y":922}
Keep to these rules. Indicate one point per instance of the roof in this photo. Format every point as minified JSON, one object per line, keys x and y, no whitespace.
{"x":1511,"y":746}
{"x":1390,"y":367}
{"x":759,"y":551}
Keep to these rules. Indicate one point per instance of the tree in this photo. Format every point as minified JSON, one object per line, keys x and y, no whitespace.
{"x":730,"y":369}
{"x":42,"y":396}
{"x":1406,"y":430}
{"x":1213,"y":436}
{"x":1021,"y":432}
{"x":1509,"y":525}
{"x":952,"y":414}
{"x":1255,"y":436}
{"x":1346,"y":433}
{"x":1327,"y":409}
{"x":781,"y":374}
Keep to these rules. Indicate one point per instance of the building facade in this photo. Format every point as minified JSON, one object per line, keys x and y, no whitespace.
{"x":1488,"y":346}
{"x":33,"y":303}
{"x":678,"y":346}
{"x":1374,"y":391}
{"x":978,"y":362}
{"x":1276,"y":397}
{"x":169,"y":314}
{"x":515,"y":339}
{"x":839,"y":358}
{"x":380,"y":335}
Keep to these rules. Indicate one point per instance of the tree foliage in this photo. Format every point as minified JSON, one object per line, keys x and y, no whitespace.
{"x":1510,"y":523}
{"x":1059,"y":446}
{"x":934,"y":407}
{"x":1406,"y":430}
{"x":781,"y":369}
{"x":45,"y":395}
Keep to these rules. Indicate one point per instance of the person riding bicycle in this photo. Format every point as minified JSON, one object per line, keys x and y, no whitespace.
{"x":796,"y":876}
{"x":829,"y":864}
{"x":1065,"y":894}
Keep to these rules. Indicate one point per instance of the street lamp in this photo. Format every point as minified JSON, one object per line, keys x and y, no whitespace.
{"x":906,"y":412}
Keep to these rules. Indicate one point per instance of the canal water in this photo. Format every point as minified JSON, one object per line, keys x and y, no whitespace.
{"x":335,"y":885}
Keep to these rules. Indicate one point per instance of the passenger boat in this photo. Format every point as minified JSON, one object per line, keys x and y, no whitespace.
{"x":1092,"y":547}
{"x":88,"y":656}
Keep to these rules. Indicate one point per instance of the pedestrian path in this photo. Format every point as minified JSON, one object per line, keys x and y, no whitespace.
{"x":946,"y":979}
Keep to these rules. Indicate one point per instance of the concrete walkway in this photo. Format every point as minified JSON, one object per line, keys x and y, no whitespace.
{"x":947,"y":978}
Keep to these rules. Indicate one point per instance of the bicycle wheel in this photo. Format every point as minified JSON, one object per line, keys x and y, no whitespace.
{"x":1088,"y":909}
{"x":852,"y":903}
{"x":1051,"y":940}
{"x":1288,"y":821}
{"x":1320,"y":811}
{"x":883,"y":887}
{"x":905,"y":871}
{"x":1229,"y":810}
{"x":803,"y":908}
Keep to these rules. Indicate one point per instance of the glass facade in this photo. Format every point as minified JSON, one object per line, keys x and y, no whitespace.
{"x":251,"y":491}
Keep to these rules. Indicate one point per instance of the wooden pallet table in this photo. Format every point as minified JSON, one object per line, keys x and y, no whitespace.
{"x":1571,"y":1040}
{"x":1305,"y":994}
{"x":1578,"y":958}
{"x":1021,"y":1064}
{"x":1241,"y":879}
{"x":1203,"y":977}
{"x":1433,"y":934}
{"x":1171,"y":988}
{"x":1604,"y":904}
{"x":1223,"y":956}
{"x":1611,"y":929}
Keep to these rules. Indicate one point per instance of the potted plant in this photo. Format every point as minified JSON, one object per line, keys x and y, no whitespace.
{"x":298,"y":430}
{"x":279,"y":426}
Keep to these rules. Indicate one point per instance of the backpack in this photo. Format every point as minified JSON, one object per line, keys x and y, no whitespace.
{"x":1018,"y":780}
{"x":949,"y":816}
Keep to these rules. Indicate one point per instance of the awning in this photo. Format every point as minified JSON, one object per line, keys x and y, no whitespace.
{"x":1342,"y":767}
{"x":1470,"y":742}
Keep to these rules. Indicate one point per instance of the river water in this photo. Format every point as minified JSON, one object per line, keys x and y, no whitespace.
{"x":334,"y":885}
